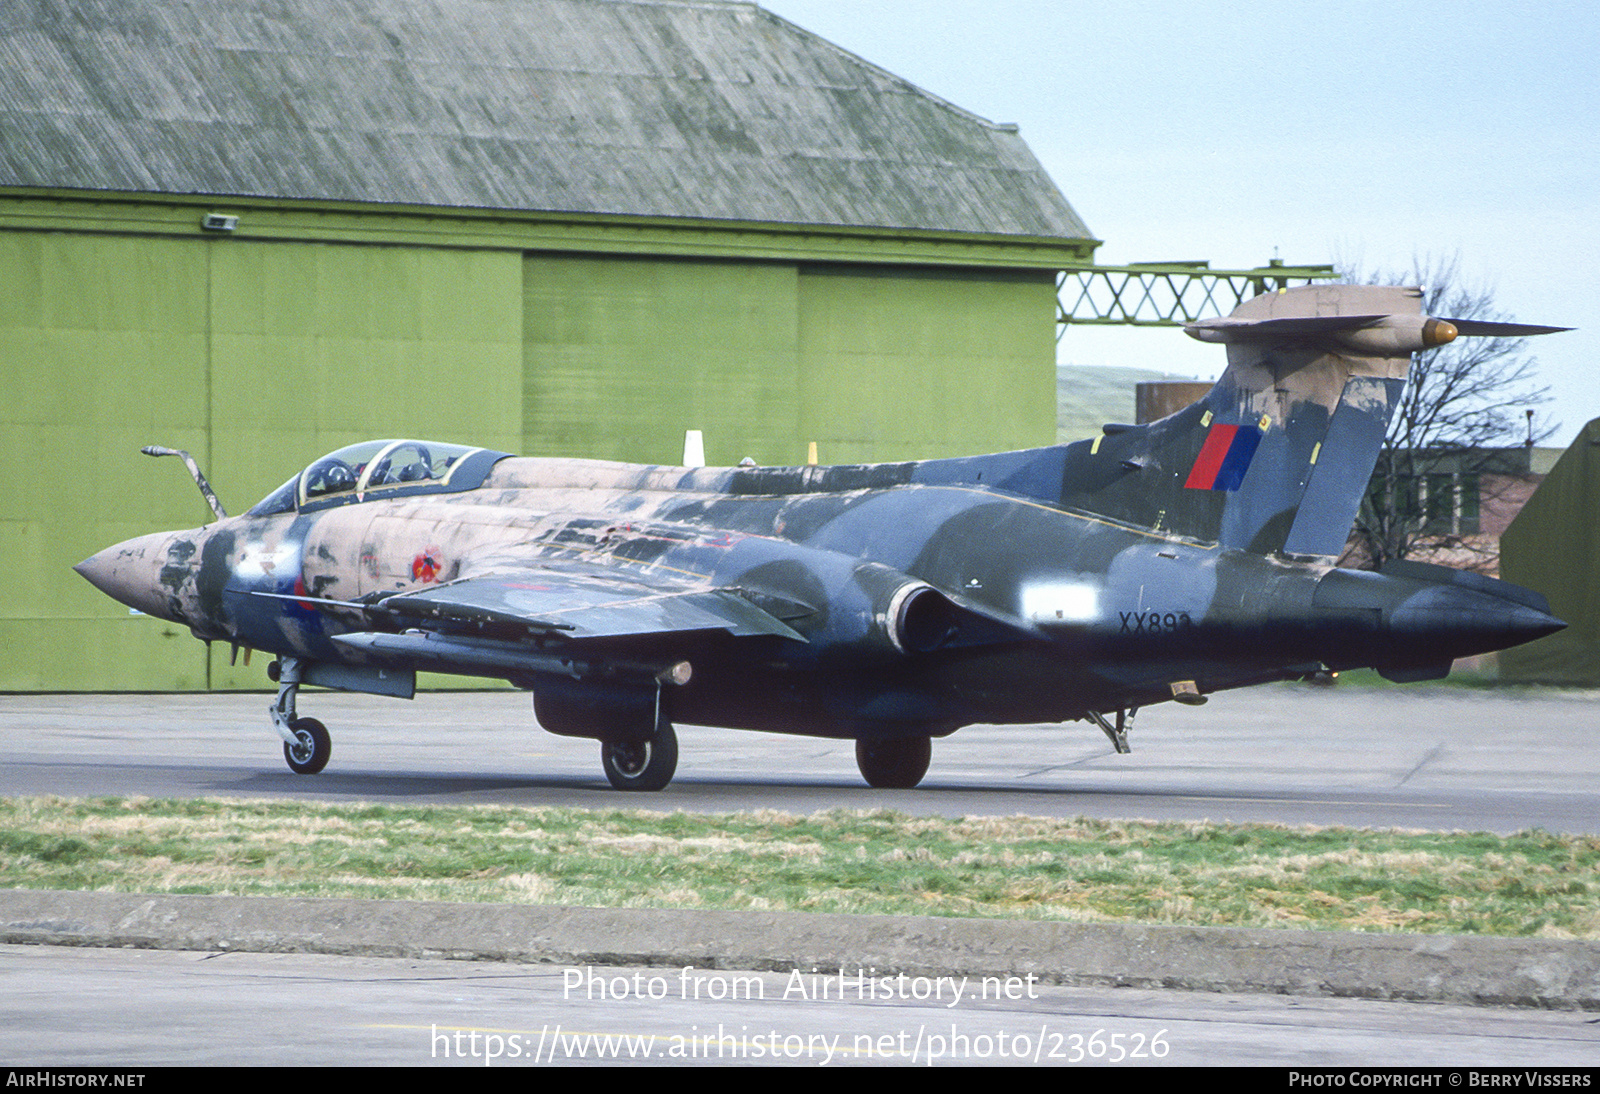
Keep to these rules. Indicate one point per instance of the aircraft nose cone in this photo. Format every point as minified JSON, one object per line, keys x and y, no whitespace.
{"x":1530,"y":623}
{"x":1472,"y":618}
{"x":133,"y":572}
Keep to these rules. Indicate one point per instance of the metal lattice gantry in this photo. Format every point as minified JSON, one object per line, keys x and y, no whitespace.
{"x":1167,"y":294}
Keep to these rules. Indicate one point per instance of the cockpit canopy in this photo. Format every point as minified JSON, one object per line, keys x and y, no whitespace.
{"x":374,"y":470}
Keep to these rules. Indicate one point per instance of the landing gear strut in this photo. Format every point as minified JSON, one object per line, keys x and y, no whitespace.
{"x":306,"y":744}
{"x":1116,"y":734}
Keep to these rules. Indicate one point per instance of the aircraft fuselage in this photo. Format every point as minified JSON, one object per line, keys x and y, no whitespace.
{"x":1033,"y":612}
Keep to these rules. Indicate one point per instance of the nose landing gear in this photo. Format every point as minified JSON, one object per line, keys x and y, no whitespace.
{"x":309,"y":754}
{"x":306,"y":744}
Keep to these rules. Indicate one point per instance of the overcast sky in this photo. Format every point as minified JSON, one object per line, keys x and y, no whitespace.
{"x":1356,"y":131}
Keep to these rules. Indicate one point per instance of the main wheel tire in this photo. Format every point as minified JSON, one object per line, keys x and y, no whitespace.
{"x":648,"y":764}
{"x":313,"y":746}
{"x":895,"y":763}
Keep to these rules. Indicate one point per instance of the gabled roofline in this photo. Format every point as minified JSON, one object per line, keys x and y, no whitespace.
{"x":1002,"y":127}
{"x":832,"y":47}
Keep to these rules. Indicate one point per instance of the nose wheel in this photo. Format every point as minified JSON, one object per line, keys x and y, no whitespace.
{"x":309,"y":752}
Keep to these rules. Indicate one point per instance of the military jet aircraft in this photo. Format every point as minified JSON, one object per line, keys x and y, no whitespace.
{"x":889,"y":604}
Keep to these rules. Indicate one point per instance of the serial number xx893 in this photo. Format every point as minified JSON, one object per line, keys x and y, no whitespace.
{"x":1154,"y":622}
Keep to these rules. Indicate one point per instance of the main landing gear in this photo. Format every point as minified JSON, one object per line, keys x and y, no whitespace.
{"x":894,"y":763}
{"x":630,"y":717}
{"x":306,"y":744}
{"x":643,"y":764}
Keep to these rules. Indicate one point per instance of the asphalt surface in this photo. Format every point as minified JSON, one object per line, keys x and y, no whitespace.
{"x":1434,"y":758}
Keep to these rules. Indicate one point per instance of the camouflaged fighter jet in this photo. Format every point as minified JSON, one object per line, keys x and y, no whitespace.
{"x":890,"y":603}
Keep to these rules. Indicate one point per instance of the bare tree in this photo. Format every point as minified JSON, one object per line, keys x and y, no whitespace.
{"x":1452,"y":445}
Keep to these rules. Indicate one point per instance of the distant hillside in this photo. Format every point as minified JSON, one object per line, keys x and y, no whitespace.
{"x":1089,"y":396}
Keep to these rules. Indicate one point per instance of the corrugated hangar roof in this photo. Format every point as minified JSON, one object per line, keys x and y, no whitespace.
{"x":656,"y":108}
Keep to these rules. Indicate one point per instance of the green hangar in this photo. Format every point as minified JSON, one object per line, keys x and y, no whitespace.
{"x":261,"y":230}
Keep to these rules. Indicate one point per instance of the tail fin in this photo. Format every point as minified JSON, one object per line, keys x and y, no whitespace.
{"x":1278,"y":454}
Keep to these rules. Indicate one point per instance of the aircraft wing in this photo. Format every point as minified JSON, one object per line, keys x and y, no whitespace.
{"x":577,"y":601}
{"x":548,"y":618}
{"x":570,"y":600}
{"x":481,"y":624}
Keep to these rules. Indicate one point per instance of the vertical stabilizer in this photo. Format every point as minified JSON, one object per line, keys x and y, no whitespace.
{"x":1277,"y":456}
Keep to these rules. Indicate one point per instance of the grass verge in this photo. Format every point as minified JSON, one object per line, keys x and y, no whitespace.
{"x":878,"y":862}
